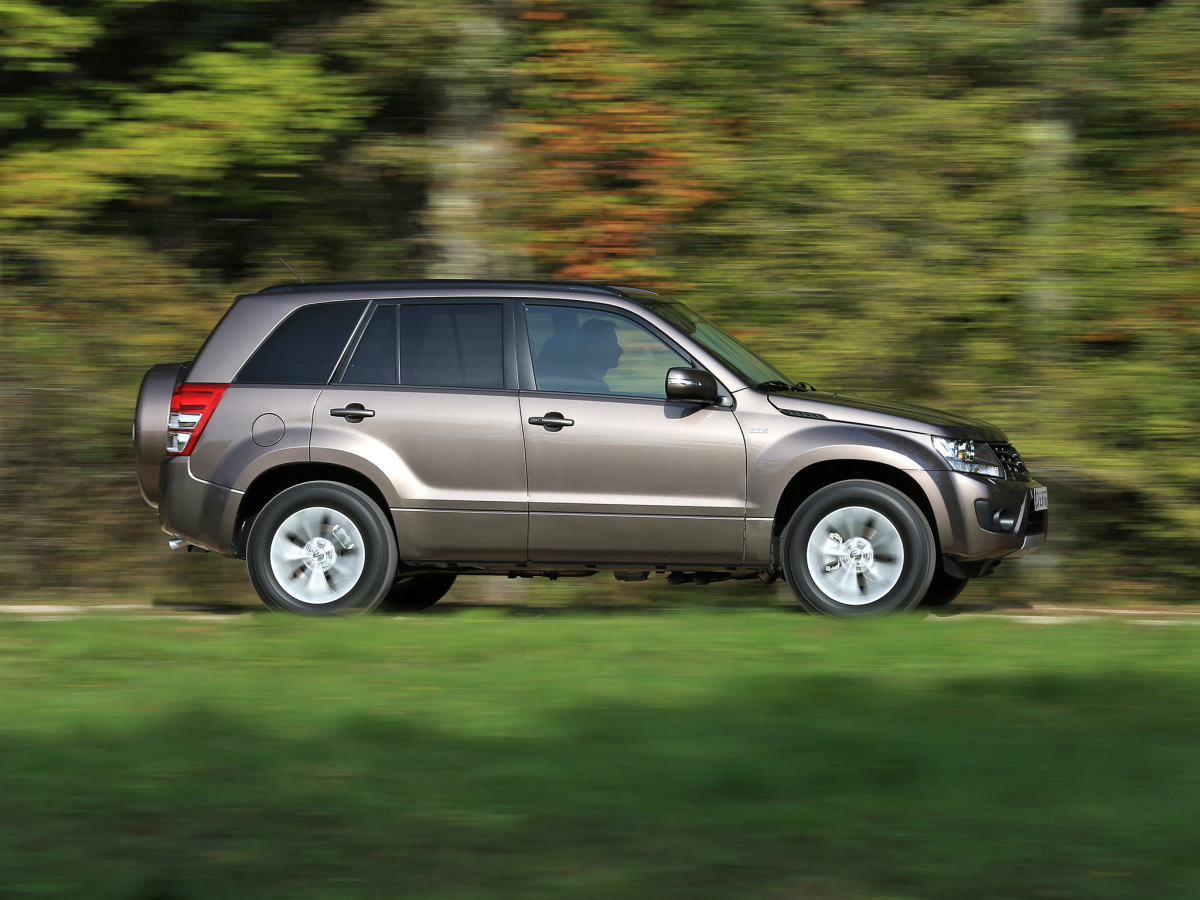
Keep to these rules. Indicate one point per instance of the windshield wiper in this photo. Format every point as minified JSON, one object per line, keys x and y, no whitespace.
{"x":798,"y":386}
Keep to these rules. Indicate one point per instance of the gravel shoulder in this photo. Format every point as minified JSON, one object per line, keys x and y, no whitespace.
{"x":1031,"y":612}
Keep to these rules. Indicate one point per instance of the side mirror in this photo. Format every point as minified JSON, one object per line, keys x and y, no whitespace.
{"x":692,"y":386}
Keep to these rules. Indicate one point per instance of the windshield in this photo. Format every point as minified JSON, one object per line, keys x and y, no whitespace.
{"x":720,"y":343}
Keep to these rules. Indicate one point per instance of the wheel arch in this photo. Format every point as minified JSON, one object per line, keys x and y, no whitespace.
{"x":273,"y":481}
{"x":812,"y":478}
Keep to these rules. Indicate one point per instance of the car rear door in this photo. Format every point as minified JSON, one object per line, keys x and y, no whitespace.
{"x":426,"y":405}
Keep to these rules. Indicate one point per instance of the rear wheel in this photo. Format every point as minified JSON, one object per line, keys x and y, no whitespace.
{"x":858,"y":548}
{"x":411,"y":593}
{"x":321,"y":549}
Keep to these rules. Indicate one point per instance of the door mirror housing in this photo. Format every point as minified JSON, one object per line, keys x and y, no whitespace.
{"x":692,"y":386}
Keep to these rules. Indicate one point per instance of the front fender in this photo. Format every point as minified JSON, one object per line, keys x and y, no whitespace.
{"x":774,"y":460}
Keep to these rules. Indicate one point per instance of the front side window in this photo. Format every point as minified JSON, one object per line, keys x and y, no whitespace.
{"x":452,"y":345}
{"x":585,"y":351}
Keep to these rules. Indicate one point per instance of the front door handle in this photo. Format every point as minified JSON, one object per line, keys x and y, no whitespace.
{"x":354,"y":413}
{"x":551,"y":421}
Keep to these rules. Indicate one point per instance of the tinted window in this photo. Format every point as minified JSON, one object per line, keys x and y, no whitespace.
{"x":374,"y":359}
{"x":306,"y":347}
{"x":585,"y":351}
{"x":452,"y":345}
{"x":720,"y":343}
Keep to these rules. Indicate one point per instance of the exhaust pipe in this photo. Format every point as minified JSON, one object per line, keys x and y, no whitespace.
{"x":176,"y":542}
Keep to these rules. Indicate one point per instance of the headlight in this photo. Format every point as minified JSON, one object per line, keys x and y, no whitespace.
{"x":973,"y":457}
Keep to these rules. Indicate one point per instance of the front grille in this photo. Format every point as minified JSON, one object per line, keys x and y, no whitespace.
{"x":1010,"y":461}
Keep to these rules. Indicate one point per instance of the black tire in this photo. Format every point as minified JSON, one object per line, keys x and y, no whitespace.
{"x":340,"y":544}
{"x":943,"y":589}
{"x":883,"y":563}
{"x":412,"y":593}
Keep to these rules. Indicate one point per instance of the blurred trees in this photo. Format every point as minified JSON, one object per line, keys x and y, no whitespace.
{"x":993,"y":206}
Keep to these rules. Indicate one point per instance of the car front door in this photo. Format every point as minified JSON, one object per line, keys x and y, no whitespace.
{"x":617,"y":473}
{"x":439,"y":428}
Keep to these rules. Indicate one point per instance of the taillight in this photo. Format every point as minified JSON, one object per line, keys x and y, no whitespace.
{"x":192,"y":406}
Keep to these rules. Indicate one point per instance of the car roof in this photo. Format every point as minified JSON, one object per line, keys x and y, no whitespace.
{"x":254,"y":315}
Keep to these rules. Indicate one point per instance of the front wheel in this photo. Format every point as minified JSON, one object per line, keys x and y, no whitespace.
{"x":858,"y":548}
{"x":321,"y":549}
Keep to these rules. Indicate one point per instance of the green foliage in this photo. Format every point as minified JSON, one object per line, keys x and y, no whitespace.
{"x":961,"y":201}
{"x":40,"y":38}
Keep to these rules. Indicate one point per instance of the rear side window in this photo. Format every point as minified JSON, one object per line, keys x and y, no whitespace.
{"x":374,"y":359}
{"x":452,"y":345}
{"x":305,"y":348}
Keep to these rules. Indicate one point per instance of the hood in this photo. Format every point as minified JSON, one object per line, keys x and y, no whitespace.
{"x":844,"y":407}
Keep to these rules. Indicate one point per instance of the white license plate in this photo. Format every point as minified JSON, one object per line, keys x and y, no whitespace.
{"x":1041,"y":498}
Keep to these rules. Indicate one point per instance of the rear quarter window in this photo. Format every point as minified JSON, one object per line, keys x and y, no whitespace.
{"x":305,"y":347}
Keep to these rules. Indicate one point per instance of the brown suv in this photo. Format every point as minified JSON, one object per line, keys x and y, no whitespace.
{"x":361,"y":444}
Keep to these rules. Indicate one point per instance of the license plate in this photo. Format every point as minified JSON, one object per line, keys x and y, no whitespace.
{"x":1041,"y":498}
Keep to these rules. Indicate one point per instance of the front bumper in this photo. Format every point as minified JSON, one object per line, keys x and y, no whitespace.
{"x":987,"y":518}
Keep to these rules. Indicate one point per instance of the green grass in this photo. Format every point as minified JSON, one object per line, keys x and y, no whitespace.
{"x":710,"y":754}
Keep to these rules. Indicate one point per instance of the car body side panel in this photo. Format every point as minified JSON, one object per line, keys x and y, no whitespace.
{"x":254,"y":428}
{"x":758,"y":542}
{"x":570,"y":539}
{"x":433,"y":449}
{"x":779,"y":446}
{"x":460,"y":536}
{"x":244,"y":326}
{"x":634,"y":480}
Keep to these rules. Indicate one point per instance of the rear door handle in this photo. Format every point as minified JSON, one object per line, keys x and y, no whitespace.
{"x":551,"y":421}
{"x":353,"y":413}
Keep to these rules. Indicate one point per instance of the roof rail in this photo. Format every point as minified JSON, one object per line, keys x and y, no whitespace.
{"x":321,"y":287}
